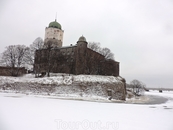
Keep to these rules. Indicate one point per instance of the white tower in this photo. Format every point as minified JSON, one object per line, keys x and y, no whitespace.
{"x":54,"y":35}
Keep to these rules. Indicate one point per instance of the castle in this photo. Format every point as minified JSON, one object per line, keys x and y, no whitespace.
{"x":74,"y":59}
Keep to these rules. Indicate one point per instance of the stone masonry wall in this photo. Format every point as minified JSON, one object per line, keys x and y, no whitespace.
{"x":76,"y":59}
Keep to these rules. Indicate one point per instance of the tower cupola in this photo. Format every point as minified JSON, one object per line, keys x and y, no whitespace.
{"x":82,"y":39}
{"x":55,"y":24}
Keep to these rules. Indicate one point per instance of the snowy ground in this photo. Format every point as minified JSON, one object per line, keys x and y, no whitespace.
{"x":59,"y":79}
{"x":29,"y":112}
{"x":82,"y":87}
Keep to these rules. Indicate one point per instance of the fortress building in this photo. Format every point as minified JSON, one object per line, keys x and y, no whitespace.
{"x":73,"y":59}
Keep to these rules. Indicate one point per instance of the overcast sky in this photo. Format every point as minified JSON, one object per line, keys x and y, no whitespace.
{"x":138,"y":32}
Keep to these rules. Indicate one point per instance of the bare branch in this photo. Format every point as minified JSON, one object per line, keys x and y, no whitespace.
{"x":138,"y":87}
{"x":13,"y":57}
{"x":30,"y":53}
{"x":106,"y":52}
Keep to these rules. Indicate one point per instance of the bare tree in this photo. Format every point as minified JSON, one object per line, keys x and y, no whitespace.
{"x":94,"y":46}
{"x":37,"y":44}
{"x":13,"y":57}
{"x":138,"y":87}
{"x":106,"y":52}
{"x":30,"y":54}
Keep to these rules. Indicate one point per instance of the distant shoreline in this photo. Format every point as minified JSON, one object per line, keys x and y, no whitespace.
{"x":141,"y":100}
{"x":163,"y":89}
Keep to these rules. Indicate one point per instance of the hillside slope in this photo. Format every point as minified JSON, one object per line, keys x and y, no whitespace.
{"x":77,"y":86}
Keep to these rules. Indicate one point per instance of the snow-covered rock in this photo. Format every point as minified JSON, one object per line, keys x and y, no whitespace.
{"x":81,"y":86}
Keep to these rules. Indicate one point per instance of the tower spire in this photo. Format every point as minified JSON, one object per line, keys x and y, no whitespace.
{"x":56,"y":16}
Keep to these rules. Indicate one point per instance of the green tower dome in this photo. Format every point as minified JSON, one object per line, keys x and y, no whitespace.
{"x":82,"y":39}
{"x":55,"y":24}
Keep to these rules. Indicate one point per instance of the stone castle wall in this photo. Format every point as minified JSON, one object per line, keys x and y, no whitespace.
{"x":80,"y":86}
{"x":8,"y":71}
{"x":76,"y":59}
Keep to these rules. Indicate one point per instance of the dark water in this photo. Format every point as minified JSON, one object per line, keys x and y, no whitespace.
{"x":154,"y":100}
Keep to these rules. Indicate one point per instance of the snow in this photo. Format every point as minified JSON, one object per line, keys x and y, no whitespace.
{"x":83,"y":87}
{"x":31,"y":112}
{"x":60,"y":79}
{"x":58,"y":110}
